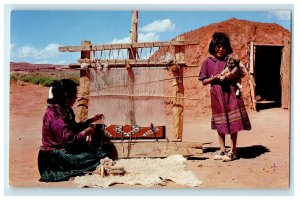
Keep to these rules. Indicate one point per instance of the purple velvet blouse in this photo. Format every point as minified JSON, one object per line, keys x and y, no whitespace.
{"x":60,"y":131}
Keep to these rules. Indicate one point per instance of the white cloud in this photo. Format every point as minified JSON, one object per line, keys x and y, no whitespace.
{"x":50,"y":51}
{"x":149,"y":32}
{"x":123,"y":54}
{"x":60,"y":62}
{"x":51,"y":48}
{"x":26,"y":51}
{"x":164,"y":25}
{"x":119,"y":41}
{"x":282,"y":15}
{"x":148,"y":37}
{"x":142,"y":37}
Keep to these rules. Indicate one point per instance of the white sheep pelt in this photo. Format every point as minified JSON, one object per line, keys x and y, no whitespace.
{"x":148,"y":172}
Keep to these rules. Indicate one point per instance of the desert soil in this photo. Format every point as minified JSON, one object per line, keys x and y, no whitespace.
{"x":263,"y":152}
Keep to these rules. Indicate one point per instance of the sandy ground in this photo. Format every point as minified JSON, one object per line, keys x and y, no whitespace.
{"x":263,"y":152}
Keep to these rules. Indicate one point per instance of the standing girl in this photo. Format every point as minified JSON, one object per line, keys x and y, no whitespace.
{"x":229,"y":115}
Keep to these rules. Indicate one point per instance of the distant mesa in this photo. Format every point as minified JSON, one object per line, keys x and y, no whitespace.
{"x":29,"y":67}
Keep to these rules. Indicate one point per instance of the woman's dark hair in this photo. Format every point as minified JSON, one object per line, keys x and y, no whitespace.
{"x":217,"y":39}
{"x":62,"y":91}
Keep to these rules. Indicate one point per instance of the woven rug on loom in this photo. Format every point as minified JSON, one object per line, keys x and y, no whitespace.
{"x":148,"y":172}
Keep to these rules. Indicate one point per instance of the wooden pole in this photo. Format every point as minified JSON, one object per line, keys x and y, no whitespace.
{"x":178,"y":91}
{"x":83,"y":97}
{"x":133,"y":34}
{"x":285,"y":74}
{"x":252,"y":80}
{"x":130,"y":114}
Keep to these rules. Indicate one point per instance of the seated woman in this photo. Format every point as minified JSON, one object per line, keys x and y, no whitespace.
{"x":65,"y":151}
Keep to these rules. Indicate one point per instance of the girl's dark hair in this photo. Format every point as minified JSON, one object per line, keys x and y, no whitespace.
{"x":62,"y":90}
{"x":217,"y":39}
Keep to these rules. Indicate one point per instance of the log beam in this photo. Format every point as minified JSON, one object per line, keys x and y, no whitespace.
{"x":101,"y":47}
{"x":155,"y":149}
{"x":125,"y":63}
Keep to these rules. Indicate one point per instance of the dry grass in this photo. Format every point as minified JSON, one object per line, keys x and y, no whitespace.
{"x":44,"y":78}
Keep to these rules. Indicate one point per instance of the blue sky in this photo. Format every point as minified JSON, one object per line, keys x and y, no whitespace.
{"x":35,"y":35}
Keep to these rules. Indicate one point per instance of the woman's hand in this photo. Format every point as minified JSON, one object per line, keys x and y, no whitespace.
{"x":89,"y":130}
{"x":97,"y":117}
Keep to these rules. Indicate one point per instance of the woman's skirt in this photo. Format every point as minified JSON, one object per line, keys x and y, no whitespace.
{"x":59,"y":165}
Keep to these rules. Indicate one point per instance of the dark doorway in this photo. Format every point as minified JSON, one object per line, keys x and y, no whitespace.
{"x":267,"y":76}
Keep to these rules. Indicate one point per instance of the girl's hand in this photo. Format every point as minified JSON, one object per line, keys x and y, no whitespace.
{"x":211,"y":79}
{"x":222,"y":78}
{"x":217,"y":77}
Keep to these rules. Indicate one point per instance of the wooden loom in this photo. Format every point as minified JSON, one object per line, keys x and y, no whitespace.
{"x":128,"y":140}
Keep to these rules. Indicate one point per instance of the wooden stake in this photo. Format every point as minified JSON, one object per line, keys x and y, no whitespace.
{"x":83,"y":98}
{"x":178,"y":92}
{"x":285,"y":73}
{"x":252,"y":71}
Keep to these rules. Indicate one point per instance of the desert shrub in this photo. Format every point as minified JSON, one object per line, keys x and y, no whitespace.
{"x":34,"y":79}
{"x":44,"y":79}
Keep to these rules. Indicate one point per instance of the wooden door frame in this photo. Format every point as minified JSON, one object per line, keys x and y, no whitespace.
{"x":252,"y":53}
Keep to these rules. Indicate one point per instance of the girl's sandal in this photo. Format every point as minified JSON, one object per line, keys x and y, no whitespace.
{"x":229,"y":157}
{"x":219,"y":155}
